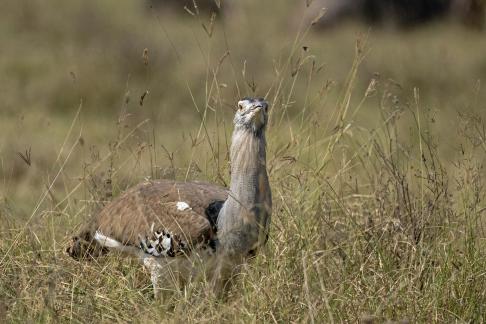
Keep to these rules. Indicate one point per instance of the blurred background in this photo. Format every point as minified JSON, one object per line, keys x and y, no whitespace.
{"x":99,"y":68}
{"x":376,"y":145}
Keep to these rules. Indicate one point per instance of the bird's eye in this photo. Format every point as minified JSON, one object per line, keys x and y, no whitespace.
{"x":240,"y":107}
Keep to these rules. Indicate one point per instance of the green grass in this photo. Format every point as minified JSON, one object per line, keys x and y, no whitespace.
{"x":376,"y":147}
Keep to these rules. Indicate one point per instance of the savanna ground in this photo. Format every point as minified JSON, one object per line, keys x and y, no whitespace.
{"x":376,"y":146}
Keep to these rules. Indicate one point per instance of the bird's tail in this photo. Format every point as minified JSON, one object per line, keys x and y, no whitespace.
{"x":89,"y":245}
{"x":85,"y":246}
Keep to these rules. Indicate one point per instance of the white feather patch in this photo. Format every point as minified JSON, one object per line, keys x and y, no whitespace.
{"x":106,"y":241}
{"x":182,"y":205}
{"x":166,"y":243}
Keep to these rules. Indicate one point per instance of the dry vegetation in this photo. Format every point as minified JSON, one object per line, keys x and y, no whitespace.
{"x":376,"y":149}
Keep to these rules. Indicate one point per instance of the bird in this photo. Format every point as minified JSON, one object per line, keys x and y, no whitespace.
{"x":171,"y":226}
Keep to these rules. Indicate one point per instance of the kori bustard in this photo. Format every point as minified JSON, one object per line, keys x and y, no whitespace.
{"x":170,"y":226}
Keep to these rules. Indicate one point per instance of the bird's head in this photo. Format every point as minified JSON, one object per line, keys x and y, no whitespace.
{"x":252,"y":114}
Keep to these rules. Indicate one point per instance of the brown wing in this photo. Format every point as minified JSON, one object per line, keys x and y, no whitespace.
{"x":153,"y":206}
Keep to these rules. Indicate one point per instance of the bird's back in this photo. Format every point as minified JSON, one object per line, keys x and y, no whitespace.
{"x":186,"y":210}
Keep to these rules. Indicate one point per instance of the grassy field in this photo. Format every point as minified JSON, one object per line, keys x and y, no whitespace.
{"x":376,"y":143}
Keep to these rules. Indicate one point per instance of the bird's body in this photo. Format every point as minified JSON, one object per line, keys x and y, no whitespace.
{"x":184,"y":210}
{"x":169,"y":224}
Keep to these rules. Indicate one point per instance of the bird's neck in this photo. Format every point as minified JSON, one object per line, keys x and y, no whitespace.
{"x":244,"y":216}
{"x":248,"y":161}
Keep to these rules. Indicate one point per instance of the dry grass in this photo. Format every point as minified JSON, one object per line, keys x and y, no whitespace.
{"x":376,"y":146}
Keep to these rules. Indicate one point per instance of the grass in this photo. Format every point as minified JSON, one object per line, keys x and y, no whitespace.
{"x":376,"y":150}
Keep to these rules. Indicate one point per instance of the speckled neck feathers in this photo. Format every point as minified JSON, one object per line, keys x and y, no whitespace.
{"x":244,"y":218}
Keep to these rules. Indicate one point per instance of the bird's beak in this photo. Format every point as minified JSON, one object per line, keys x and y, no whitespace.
{"x":257,"y":118}
{"x":257,"y":110}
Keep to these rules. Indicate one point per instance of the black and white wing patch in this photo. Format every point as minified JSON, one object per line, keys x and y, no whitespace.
{"x":163,"y":244}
